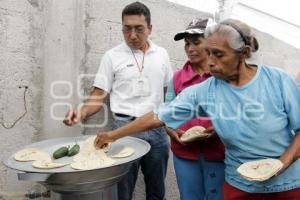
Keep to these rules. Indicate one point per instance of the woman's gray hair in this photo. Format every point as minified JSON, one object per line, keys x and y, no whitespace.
{"x":237,"y":33}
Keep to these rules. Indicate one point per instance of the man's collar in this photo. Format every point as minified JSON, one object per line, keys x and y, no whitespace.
{"x":152,"y":47}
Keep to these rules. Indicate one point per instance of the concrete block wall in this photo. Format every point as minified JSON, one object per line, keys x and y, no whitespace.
{"x":45,"y":42}
{"x":52,"y":41}
{"x":21,"y":78}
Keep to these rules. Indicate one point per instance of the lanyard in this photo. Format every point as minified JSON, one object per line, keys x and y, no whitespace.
{"x":142,"y":67}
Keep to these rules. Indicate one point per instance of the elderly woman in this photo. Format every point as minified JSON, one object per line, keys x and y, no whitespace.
{"x":198,"y":165}
{"x":254,"y":109}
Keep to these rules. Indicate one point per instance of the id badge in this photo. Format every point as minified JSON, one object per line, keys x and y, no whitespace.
{"x":141,"y":87}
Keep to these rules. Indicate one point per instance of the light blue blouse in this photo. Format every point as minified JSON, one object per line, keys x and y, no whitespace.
{"x":255,"y":121}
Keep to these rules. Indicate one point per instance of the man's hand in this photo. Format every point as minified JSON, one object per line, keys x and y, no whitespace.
{"x":73,"y":117}
{"x":174,"y":135}
{"x":102,"y":139}
{"x":90,"y":107}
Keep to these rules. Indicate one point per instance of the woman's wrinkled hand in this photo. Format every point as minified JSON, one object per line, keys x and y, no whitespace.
{"x":174,"y":135}
{"x":286,"y":160}
{"x":102,"y":140}
{"x":210,"y":130}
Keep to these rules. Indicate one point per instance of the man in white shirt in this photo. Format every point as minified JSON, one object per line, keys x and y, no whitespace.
{"x":135,"y":74}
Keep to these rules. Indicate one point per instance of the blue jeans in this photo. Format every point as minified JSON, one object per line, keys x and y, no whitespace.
{"x":153,"y":164}
{"x":199,"y":179}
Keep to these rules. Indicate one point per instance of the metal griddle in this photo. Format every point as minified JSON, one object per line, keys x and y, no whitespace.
{"x":95,"y":184}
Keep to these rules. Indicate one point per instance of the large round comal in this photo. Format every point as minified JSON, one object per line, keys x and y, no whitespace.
{"x":66,"y":180}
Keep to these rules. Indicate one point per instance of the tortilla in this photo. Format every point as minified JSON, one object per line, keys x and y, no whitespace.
{"x":31,"y":154}
{"x":43,"y":164}
{"x":260,"y":170}
{"x":125,"y":152}
{"x":194,"y":133}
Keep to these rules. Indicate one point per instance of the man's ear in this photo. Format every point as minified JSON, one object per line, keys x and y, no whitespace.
{"x":150,"y":28}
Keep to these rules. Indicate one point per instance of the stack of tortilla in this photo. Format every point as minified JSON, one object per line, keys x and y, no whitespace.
{"x":260,"y":170}
{"x":91,"y":158}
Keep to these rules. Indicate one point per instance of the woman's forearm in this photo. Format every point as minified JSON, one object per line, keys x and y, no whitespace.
{"x":292,"y":153}
{"x":144,"y":123}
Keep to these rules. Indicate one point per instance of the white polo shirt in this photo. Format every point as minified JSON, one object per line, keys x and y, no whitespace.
{"x":118,"y":69}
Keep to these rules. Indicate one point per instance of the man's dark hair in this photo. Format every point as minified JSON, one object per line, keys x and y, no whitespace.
{"x":137,"y":8}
